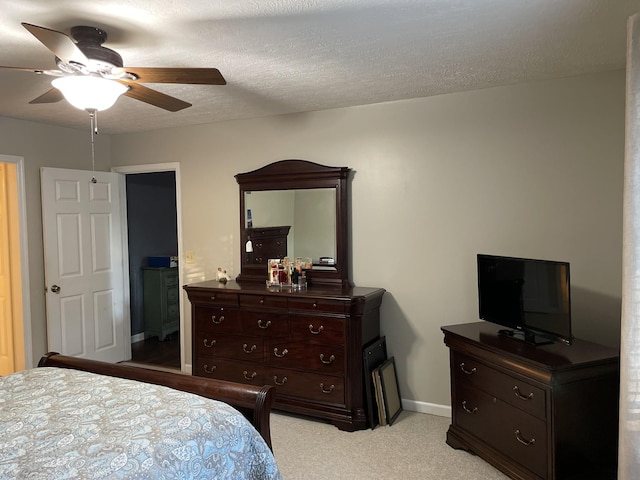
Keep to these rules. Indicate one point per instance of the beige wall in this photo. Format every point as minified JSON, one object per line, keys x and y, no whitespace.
{"x":43,"y":145}
{"x":531,"y":170}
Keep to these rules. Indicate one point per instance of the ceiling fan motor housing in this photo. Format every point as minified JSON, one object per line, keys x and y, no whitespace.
{"x":90,"y":40}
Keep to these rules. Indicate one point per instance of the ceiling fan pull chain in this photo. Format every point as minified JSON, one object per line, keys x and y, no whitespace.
{"x":93,"y":115}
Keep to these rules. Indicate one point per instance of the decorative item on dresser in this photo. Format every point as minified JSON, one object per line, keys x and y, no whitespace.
{"x":307,"y":343}
{"x":160,"y":300}
{"x":534,"y":412}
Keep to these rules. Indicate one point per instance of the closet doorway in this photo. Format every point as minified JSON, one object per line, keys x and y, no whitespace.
{"x":152,"y":231}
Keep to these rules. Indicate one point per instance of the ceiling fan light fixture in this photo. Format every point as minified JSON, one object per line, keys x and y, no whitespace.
{"x":88,"y":92}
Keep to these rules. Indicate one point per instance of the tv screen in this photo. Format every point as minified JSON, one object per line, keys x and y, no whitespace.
{"x":530,"y":297}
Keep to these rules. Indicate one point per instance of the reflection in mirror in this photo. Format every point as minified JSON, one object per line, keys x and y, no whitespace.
{"x":311,"y":214}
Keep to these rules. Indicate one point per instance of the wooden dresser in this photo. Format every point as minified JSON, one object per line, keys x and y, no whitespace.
{"x":268,"y":242}
{"x":534,"y":412}
{"x":307,"y":344}
{"x":160,"y":301}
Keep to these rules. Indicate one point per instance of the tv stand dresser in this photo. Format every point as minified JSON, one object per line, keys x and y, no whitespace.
{"x":534,"y":412}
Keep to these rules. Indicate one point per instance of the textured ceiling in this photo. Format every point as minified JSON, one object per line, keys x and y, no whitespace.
{"x":284,"y":56}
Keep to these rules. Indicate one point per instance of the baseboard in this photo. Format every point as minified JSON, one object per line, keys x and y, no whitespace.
{"x":424,"y":407}
{"x":138,"y":337}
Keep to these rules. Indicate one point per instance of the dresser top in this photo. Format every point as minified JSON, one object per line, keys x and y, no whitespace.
{"x":262,"y":289}
{"x":554,"y":356}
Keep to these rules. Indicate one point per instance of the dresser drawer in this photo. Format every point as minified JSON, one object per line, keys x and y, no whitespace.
{"x":317,"y":329}
{"x":318,"y":305}
{"x":525,"y":396}
{"x":171,"y":280}
{"x":172,"y":294}
{"x":319,"y":358}
{"x":269,"y":232}
{"x":249,"y":349}
{"x":231,"y":370}
{"x":263,"y":301}
{"x":228,"y":299}
{"x":172,"y":311}
{"x":267,"y":323}
{"x":217,"y":319}
{"x":311,"y":386}
{"x":270,"y":247}
{"x":515,"y":433}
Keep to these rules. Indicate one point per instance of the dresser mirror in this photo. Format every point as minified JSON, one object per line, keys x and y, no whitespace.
{"x":311,"y":214}
{"x":295,"y":208}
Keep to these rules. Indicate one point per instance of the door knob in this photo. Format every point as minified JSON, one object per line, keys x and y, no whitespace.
{"x":55,"y":288}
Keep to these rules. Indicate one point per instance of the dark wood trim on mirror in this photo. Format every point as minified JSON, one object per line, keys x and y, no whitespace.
{"x":295,"y":175}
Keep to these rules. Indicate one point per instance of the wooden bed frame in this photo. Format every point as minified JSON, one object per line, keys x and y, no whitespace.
{"x":252,"y":401}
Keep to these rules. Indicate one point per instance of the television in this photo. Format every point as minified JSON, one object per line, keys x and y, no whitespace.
{"x":531,"y":298}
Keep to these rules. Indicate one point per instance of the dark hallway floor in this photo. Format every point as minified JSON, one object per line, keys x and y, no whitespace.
{"x":154,"y":352}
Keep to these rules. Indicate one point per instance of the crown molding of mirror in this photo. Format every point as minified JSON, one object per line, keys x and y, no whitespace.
{"x":264,"y":231}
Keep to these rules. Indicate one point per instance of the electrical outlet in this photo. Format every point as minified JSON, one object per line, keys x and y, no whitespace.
{"x":190,"y":257}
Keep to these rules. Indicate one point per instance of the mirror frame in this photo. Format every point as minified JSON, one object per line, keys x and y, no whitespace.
{"x":300,"y":175}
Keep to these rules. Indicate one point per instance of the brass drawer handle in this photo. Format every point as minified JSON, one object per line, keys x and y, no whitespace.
{"x":327,"y":362}
{"x":216,"y":320}
{"x":467,"y":409}
{"x":250,"y":350}
{"x":516,"y":390}
{"x":468,"y":372}
{"x":261,"y":301}
{"x":275,"y":380}
{"x":213,"y":297}
{"x":280,"y":355}
{"x":316,"y":332}
{"x":249,"y":377}
{"x":327,"y":391}
{"x":209,"y":370}
{"x":264,"y":325}
{"x":524,"y":441}
{"x":210,"y":344}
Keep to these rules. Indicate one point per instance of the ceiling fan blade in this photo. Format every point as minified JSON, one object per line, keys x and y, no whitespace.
{"x":59,"y":43}
{"x":39,"y":71}
{"x":153,"y":97}
{"x":190,"y":76}
{"x":52,"y":96}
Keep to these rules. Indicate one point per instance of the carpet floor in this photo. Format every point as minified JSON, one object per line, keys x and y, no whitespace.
{"x":413,"y":448}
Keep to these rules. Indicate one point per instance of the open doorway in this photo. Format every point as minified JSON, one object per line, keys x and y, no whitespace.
{"x":152,"y":213}
{"x":15,"y":313}
{"x":153,"y":279}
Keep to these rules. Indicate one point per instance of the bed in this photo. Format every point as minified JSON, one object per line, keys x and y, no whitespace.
{"x":76,"y":418}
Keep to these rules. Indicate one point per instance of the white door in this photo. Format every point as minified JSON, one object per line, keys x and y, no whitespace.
{"x":84,"y":271}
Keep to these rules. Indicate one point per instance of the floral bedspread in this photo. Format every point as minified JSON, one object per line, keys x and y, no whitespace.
{"x":58,"y":423}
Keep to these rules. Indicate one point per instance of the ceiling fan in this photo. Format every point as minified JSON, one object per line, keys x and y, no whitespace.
{"x":81,"y":58}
